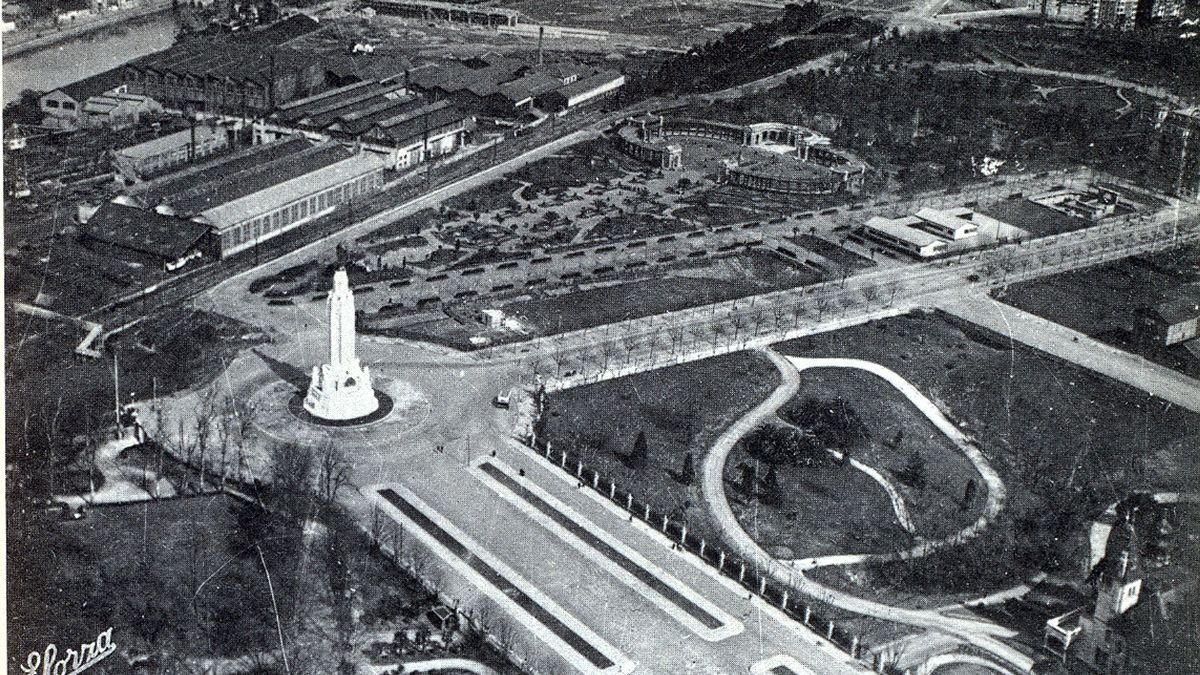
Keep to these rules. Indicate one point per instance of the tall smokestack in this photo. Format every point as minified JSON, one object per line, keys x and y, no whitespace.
{"x":541,"y":34}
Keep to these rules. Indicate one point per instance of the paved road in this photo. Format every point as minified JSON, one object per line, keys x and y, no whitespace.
{"x":626,"y":347}
{"x":1070,"y":345}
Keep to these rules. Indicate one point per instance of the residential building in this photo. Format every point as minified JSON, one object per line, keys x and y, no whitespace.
{"x":1177,"y":140}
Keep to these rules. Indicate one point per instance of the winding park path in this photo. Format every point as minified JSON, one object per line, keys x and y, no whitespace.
{"x":982,"y":634}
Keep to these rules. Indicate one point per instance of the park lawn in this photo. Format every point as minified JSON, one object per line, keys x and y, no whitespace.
{"x":747,"y":273}
{"x":1106,"y":302}
{"x":1036,"y":219}
{"x":681,"y":409}
{"x":492,"y":196}
{"x":1067,"y":442}
{"x":598,"y":306}
{"x":825,"y":509}
{"x":884,"y":412}
{"x":715,"y":215}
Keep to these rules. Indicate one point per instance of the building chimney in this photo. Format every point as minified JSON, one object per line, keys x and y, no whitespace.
{"x":541,"y":35}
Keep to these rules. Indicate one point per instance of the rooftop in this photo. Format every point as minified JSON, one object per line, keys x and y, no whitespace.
{"x":157,"y":146}
{"x":93,"y":86}
{"x":261,"y":200}
{"x":144,"y":230}
{"x":240,"y":174}
{"x":586,"y":84}
{"x":903,"y":232}
{"x":1181,"y":305}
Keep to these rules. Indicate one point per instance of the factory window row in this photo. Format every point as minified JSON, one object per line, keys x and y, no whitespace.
{"x":274,"y":221}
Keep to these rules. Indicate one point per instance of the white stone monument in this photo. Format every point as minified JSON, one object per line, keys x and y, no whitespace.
{"x":341,"y":389}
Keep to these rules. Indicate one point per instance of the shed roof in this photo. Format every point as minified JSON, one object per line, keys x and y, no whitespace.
{"x":144,"y":230}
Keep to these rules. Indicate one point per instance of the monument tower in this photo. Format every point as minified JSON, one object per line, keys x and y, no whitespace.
{"x":341,"y":389}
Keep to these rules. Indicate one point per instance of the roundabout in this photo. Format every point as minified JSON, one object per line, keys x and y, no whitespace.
{"x":280,"y":415}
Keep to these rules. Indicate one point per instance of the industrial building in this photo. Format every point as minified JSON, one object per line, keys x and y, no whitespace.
{"x":591,"y":89}
{"x":246,"y":74}
{"x":469,"y":12}
{"x":497,"y":86}
{"x":151,"y":238}
{"x":384,"y":118}
{"x":158,"y":155}
{"x":258,"y":193}
{"x":98,"y":101}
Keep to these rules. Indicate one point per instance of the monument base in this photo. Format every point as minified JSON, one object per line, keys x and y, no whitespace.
{"x":296,"y":407}
{"x":341,"y":395}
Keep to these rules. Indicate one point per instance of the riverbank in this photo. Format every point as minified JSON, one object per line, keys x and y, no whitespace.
{"x":30,"y":39}
{"x":79,"y":57}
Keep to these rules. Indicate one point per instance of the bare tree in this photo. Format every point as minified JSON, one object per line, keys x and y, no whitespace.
{"x":870,"y":293}
{"x":739,"y":322}
{"x":333,"y":472}
{"x":203,"y":423}
{"x":560,"y":358}
{"x":376,"y":526}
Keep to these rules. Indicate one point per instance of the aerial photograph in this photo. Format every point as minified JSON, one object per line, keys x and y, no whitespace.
{"x":541,"y":337}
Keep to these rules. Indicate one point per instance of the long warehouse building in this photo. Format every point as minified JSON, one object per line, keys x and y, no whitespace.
{"x":250,"y":196}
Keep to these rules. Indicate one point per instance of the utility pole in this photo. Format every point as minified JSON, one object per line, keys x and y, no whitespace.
{"x":117,"y":393}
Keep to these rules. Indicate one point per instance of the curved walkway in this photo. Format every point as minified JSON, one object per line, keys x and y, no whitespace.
{"x":995,"y":487}
{"x":982,"y":634}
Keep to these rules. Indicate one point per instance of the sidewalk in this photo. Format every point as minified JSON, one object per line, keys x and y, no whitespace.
{"x":1070,"y":345}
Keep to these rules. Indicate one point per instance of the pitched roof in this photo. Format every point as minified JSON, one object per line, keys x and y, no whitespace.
{"x":233,"y":177}
{"x":268,"y":197}
{"x":1182,"y":305}
{"x":95,"y":85}
{"x":283,"y":31}
{"x":586,"y":84}
{"x":144,"y":230}
{"x":169,"y":142}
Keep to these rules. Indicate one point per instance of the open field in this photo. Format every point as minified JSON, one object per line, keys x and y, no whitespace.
{"x":1107,"y":302}
{"x":1065,"y":441}
{"x":681,"y":409}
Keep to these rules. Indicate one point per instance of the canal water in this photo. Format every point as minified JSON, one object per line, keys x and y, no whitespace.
{"x":87,"y":55}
